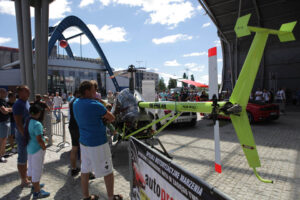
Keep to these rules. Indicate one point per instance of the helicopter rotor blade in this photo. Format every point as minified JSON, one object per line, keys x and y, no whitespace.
{"x":119,"y":73}
{"x":140,"y":68}
{"x":213,"y":94}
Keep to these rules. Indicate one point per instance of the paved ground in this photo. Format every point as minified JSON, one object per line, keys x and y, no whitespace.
{"x":192,"y":148}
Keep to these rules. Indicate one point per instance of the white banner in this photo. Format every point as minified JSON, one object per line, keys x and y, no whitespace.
{"x":155,"y":177}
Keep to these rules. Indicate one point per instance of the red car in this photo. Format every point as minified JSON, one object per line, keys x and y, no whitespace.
{"x":259,"y":111}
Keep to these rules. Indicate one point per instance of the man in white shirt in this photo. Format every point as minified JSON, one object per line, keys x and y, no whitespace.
{"x":57,"y":101}
{"x":280,"y":99}
{"x":258,"y":95}
{"x":266,"y":96}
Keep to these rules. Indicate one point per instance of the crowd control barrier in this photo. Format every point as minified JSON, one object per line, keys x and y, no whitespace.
{"x":59,"y":120}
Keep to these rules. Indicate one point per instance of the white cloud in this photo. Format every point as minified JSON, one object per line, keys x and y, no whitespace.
{"x":167,"y":76}
{"x":165,"y":12}
{"x":199,"y":8}
{"x":104,"y":2}
{"x":7,"y":7}
{"x":204,"y":79}
{"x":4,"y":40}
{"x":220,"y":60}
{"x":190,"y":65}
{"x":152,"y":69}
{"x":195,"y":54}
{"x":104,"y":35}
{"x":172,"y":63}
{"x":56,"y":24}
{"x":198,"y":69}
{"x":194,"y":67}
{"x":217,"y":43}
{"x":57,"y":9}
{"x":206,"y":25}
{"x":85,"y":3}
{"x":171,"y":39}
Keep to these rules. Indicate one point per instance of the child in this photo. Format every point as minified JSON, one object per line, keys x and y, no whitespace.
{"x":36,"y":150}
{"x":110,"y":129}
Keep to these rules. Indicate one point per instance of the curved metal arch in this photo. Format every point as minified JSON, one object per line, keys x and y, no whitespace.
{"x":75,"y":21}
{"x":61,"y":37}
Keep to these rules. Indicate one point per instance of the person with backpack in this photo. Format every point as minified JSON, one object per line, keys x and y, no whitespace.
{"x":74,"y":132}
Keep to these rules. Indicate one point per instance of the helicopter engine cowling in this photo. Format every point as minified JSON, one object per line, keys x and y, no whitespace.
{"x":126,"y":110}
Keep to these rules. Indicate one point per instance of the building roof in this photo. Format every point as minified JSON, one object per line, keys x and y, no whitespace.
{"x":280,"y":60}
{"x":3,"y":48}
{"x":265,"y":13}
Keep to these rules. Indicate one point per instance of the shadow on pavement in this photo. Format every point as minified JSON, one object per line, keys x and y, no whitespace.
{"x":121,"y":159}
{"x":282,"y":131}
{"x":58,"y":172}
{"x":15,"y":193}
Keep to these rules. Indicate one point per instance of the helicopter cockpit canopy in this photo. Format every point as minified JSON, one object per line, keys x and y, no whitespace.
{"x":126,"y":105}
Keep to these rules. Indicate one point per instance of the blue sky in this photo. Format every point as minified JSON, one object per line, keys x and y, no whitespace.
{"x":166,"y":36}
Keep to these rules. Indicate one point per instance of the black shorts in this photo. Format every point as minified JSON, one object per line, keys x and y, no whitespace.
{"x":74,"y":137}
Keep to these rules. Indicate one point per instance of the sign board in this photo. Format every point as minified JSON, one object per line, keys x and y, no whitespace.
{"x":148,"y":90}
{"x":155,"y":177}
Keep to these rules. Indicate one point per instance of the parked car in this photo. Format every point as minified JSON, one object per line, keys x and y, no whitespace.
{"x":189,"y":118}
{"x":258,"y":111}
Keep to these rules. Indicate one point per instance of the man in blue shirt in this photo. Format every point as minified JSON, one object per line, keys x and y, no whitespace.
{"x":70,"y":97}
{"x":95,"y":152}
{"x":21,"y":114}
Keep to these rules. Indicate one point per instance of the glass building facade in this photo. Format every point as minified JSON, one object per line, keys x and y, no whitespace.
{"x":68,"y":79}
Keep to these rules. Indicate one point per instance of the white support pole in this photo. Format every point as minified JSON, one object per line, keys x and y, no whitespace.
{"x":213,"y":90}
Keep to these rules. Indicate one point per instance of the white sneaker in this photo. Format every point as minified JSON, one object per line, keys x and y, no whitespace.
{"x":3,"y":160}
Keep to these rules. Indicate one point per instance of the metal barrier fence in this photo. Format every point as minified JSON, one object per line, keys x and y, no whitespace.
{"x":59,"y":120}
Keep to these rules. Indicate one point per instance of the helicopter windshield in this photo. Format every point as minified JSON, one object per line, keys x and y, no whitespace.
{"x":126,"y":105}
{"x":138,"y":96}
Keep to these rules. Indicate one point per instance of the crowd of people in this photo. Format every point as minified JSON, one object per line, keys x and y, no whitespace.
{"x":188,"y":95}
{"x":270,"y":96}
{"x":89,"y":117}
{"x":259,"y":95}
